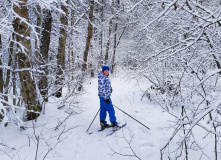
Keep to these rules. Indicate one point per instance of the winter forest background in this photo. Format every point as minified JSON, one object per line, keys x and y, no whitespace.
{"x":50,"y":48}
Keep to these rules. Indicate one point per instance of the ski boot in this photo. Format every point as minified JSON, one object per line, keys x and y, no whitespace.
{"x":104,"y":125}
{"x":115,"y":126}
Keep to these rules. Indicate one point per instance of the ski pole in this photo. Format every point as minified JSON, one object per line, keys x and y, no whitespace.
{"x":131,"y":117}
{"x":93,"y":120}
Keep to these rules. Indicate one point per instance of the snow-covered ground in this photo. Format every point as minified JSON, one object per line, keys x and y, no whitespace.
{"x":75,"y":144}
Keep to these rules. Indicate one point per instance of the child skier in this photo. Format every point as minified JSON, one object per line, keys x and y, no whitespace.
{"x":104,"y":93}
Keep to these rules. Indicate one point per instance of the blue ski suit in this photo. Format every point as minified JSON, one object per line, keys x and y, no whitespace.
{"x":104,"y":92}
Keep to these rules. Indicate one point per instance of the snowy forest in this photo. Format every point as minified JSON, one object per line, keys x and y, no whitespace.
{"x":165,"y":68}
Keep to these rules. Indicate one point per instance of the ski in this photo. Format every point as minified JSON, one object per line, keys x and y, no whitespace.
{"x":100,"y":130}
{"x":112,"y":132}
{"x":103,"y":129}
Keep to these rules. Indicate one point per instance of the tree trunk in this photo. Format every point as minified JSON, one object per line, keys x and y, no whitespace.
{"x":44,"y":48}
{"x":89,"y":36}
{"x":28,"y":88}
{"x":71,"y":50}
{"x":108,"y":43}
{"x":1,"y":78}
{"x":115,"y":47}
{"x":109,"y":36}
{"x":215,"y":136}
{"x":184,"y":132}
{"x":1,"y":75}
{"x":38,"y":30}
{"x":14,"y":60}
{"x":115,"y":41}
{"x":61,"y":53}
{"x":7,"y":80}
{"x":35,"y":20}
{"x":101,"y":35}
{"x":211,"y":46}
{"x":1,"y":70}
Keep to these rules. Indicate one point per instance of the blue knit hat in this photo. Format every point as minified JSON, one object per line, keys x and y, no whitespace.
{"x":105,"y":68}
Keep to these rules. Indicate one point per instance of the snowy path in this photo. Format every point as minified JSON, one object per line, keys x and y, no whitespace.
{"x":145,"y":143}
{"x":79,"y":145}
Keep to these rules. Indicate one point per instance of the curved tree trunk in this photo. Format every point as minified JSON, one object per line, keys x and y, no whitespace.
{"x":28,"y":88}
{"x":89,"y":36}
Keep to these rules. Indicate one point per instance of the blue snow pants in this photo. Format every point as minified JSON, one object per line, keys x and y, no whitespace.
{"x":104,"y":108}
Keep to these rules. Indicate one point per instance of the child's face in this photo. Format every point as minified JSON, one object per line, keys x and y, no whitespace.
{"x":106,"y":72}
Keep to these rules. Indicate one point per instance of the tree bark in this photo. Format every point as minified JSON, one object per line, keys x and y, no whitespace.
{"x":215,"y":136}
{"x":38,"y":30}
{"x":61,"y":53}
{"x":1,"y":70}
{"x":115,"y":41}
{"x":101,"y":35}
{"x":1,"y":78}
{"x":28,"y":88}
{"x":7,"y":80}
{"x":69,"y":51}
{"x":89,"y":36}
{"x":13,"y":63}
{"x":184,"y":132}
{"x":44,"y":48}
{"x":115,"y":47}
{"x":70,"y":41}
{"x":109,"y":36}
{"x":108,"y":43}
{"x":1,"y":75}
{"x":211,"y":46}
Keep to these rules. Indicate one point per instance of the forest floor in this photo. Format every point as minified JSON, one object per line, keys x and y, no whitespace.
{"x":132,"y":142}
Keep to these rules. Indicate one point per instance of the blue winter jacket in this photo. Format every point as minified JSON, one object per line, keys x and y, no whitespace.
{"x":104,"y":86}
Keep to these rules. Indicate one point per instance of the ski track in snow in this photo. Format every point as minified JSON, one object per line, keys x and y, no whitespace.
{"x":81,"y":146}
{"x":145,"y":143}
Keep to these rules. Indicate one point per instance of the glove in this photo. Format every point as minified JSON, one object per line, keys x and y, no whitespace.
{"x":111,"y":90}
{"x":107,"y":101}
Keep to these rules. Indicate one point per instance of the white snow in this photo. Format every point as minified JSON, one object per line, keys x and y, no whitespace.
{"x":79,"y":145}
